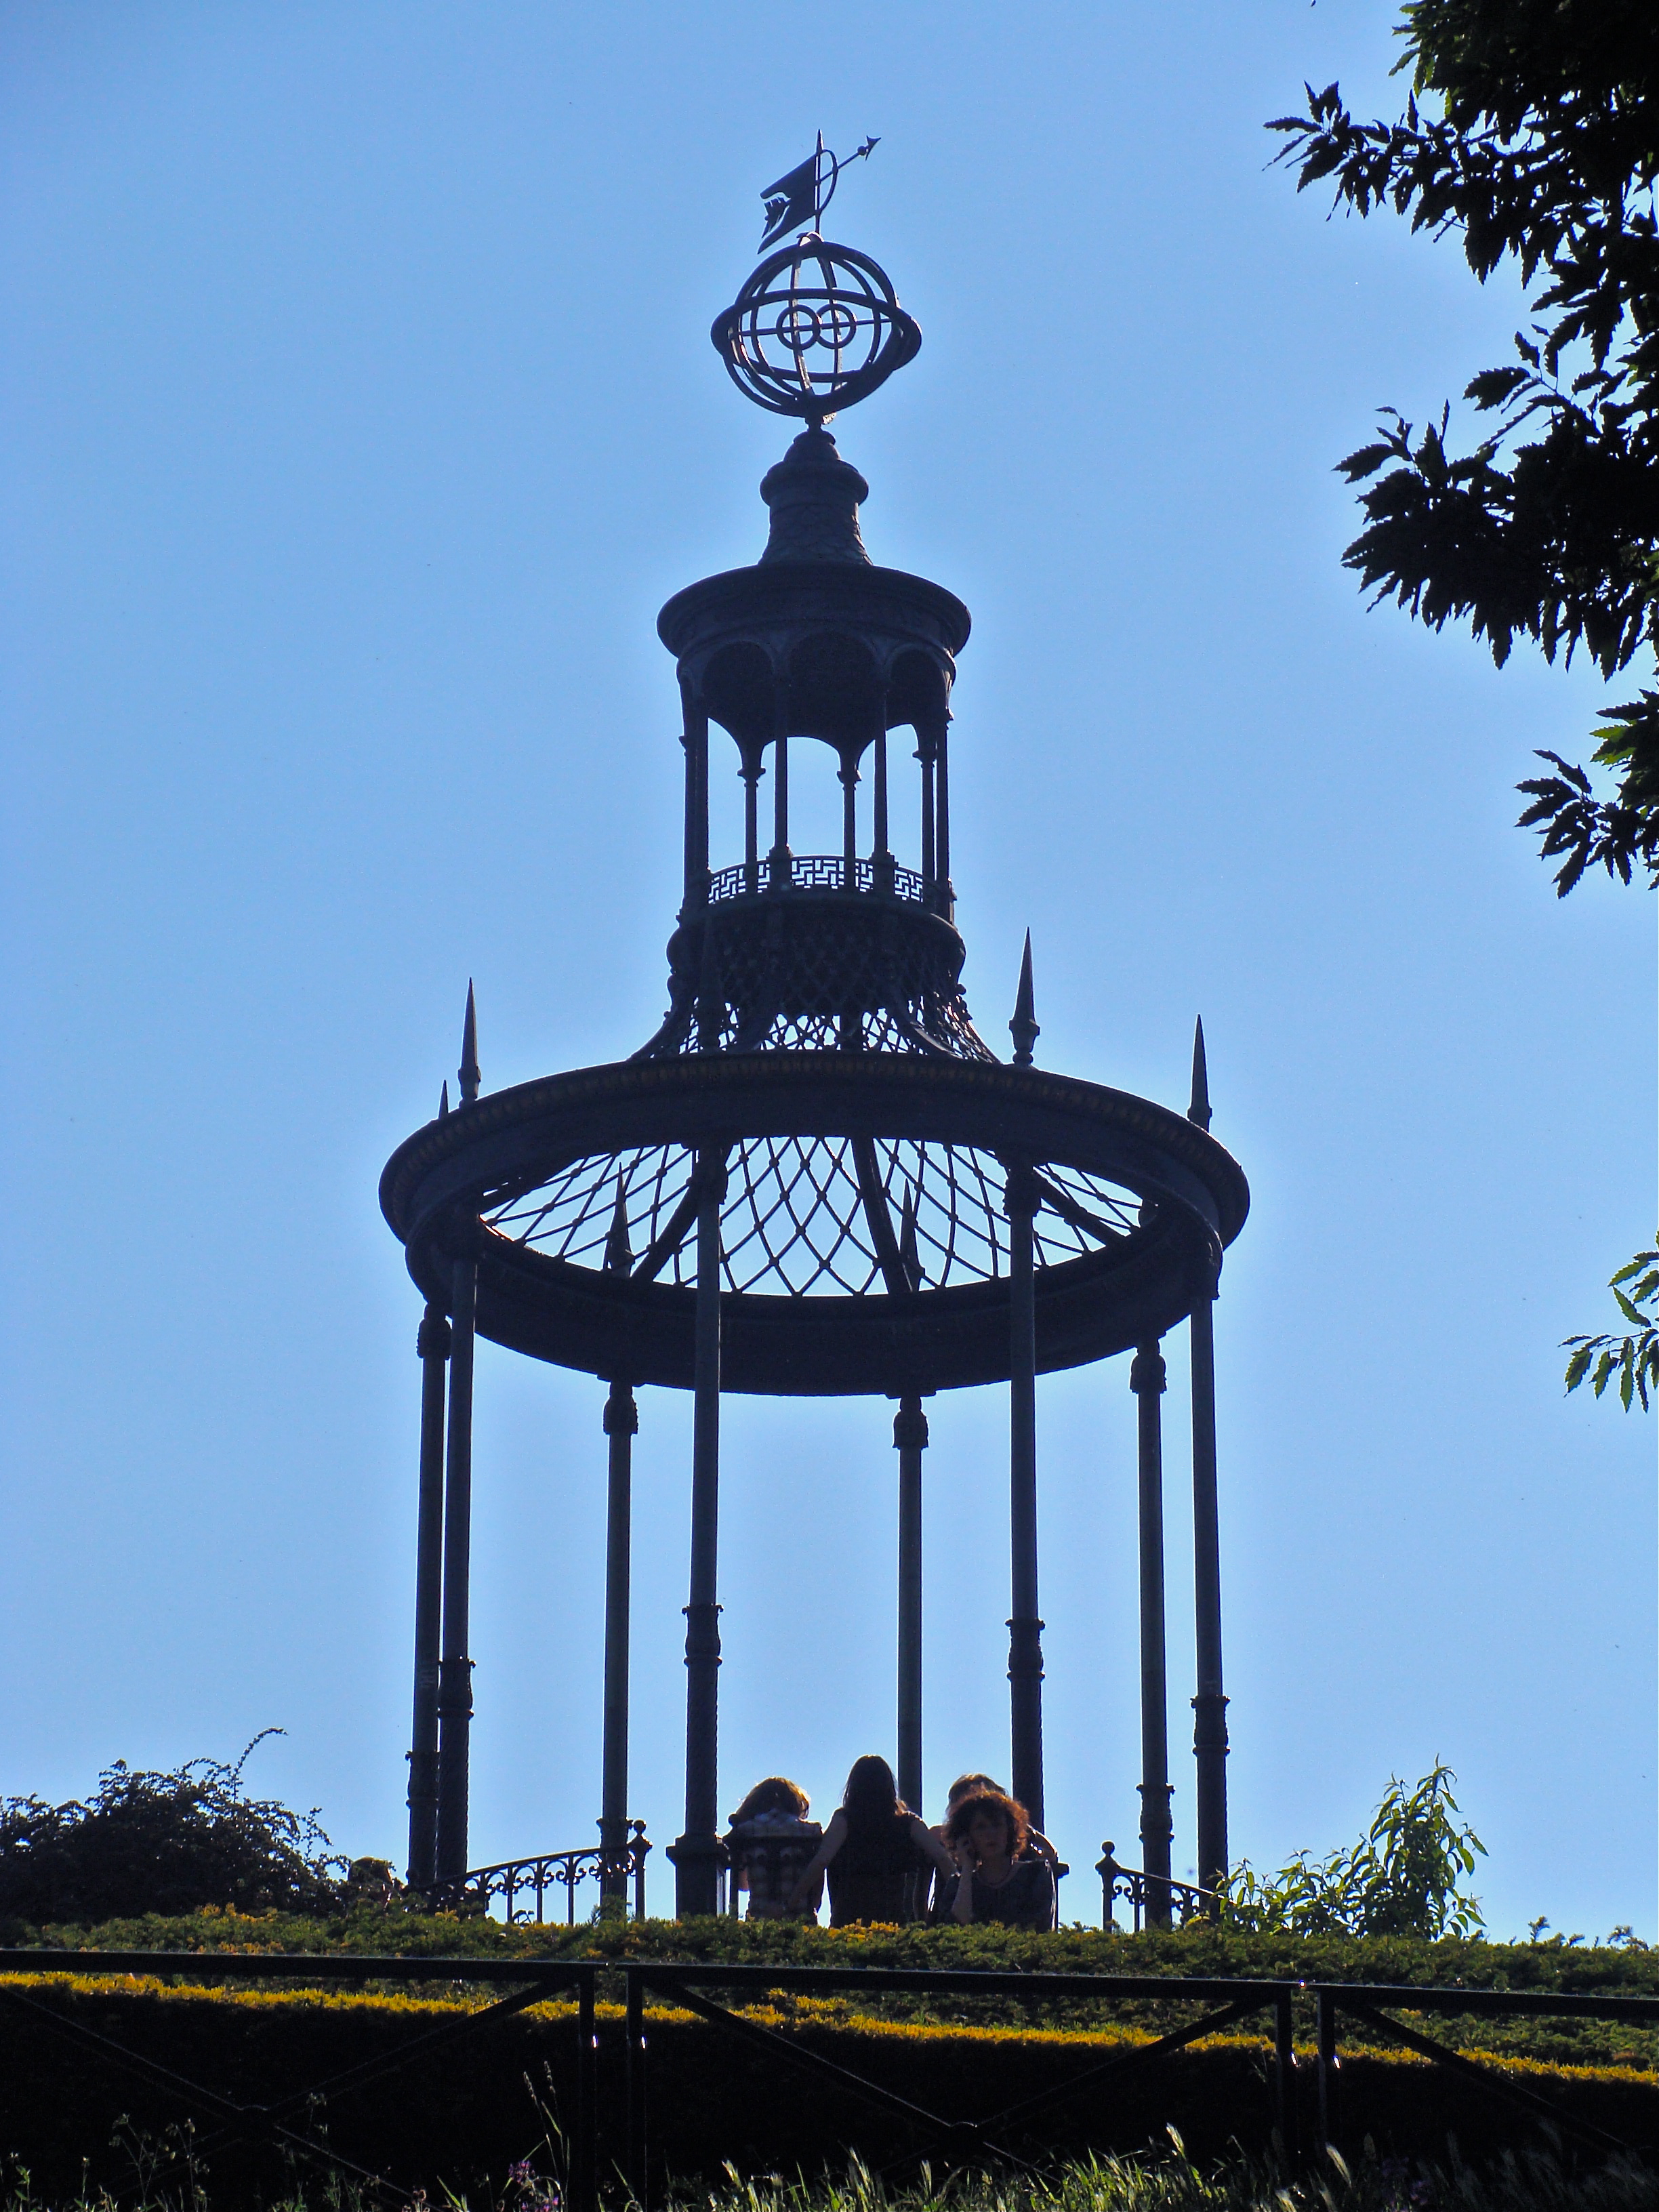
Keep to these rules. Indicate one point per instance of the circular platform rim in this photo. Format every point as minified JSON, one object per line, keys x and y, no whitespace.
{"x":940,"y":1339}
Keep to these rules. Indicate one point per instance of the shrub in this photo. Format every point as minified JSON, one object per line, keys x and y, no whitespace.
{"x":1400,"y":1879}
{"x":154,"y":1843}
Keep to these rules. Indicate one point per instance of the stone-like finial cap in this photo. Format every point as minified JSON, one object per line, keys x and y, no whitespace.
{"x":1023,"y":1028}
{"x":470,"y":1073}
{"x":618,"y":1253}
{"x":910,"y":1257}
{"x":1199,"y":1111}
{"x":815,"y":497}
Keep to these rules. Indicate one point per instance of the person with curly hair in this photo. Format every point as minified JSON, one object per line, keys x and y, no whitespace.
{"x":998,"y":1876}
{"x":769,"y":1842}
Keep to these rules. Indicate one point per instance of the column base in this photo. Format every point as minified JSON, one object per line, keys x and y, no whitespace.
{"x":697,"y":1861}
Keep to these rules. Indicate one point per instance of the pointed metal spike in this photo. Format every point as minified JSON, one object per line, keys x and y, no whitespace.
{"x":1023,"y":1028}
{"x":443,"y":1101}
{"x":469,"y":1072}
{"x":618,"y":1253}
{"x":909,"y":1258}
{"x":1199,"y":1111}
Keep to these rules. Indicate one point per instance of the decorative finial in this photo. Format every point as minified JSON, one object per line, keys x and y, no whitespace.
{"x":469,"y":1073}
{"x":817,"y":326}
{"x":618,"y":1252}
{"x":1199,"y":1111}
{"x":443,"y":1101}
{"x":1023,"y":1028}
{"x":909,"y":1258}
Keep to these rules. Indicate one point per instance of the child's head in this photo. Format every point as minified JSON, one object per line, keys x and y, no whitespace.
{"x":777,"y":1794}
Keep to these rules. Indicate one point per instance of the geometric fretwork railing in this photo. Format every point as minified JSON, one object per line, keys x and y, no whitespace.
{"x":817,"y":871}
{"x":527,"y":1887}
{"x":795,"y":1220}
{"x":1150,"y":1898}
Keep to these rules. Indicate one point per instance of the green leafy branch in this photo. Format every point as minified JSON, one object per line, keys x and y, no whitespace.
{"x":1400,"y":1879}
{"x":1634,"y":1359}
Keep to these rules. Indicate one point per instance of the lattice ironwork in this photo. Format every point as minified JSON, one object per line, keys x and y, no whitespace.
{"x":817,"y":871}
{"x":796,"y":1222}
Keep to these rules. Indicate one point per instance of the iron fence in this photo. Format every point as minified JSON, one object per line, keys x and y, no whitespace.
{"x":542,"y":1876}
{"x":622,"y":2152}
{"x":1154,"y":1900}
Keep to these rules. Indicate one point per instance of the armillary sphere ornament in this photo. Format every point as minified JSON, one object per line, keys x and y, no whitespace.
{"x":817,"y":326}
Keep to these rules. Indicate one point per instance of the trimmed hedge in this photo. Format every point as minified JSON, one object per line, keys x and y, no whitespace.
{"x":463,"y":2113}
{"x":1401,"y":1960}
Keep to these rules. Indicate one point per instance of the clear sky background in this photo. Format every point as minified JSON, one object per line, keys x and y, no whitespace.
{"x":359,"y":413}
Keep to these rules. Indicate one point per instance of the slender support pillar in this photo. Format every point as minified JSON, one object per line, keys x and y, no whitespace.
{"x":781,"y":810}
{"x":751,"y":775}
{"x":1025,"y":1628}
{"x":432,"y":1345}
{"x":1146,"y":1380}
{"x":622,"y":1423}
{"x":696,"y":741}
{"x":1210,"y":1706}
{"x":909,"y":1441}
{"x":879,"y":847}
{"x":925,"y":742}
{"x":947,"y":899}
{"x":454,"y":1668}
{"x":697,"y":1854}
{"x":850,"y":821}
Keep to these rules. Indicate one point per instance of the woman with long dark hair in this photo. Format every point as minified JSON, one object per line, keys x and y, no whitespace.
{"x":874,"y":1850}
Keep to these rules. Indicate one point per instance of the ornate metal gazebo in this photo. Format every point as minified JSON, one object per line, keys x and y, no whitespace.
{"x":816,"y":1179}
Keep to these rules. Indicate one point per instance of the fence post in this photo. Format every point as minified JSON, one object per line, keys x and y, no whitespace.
{"x":1285,"y":2076}
{"x":636,"y":2161}
{"x":1329,"y":2064}
{"x":585,"y":2164}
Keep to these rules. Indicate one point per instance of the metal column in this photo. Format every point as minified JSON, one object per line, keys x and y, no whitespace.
{"x":697,"y":1854}
{"x":1020,"y":1202}
{"x":909,"y":1441}
{"x":622,"y":1423}
{"x":1210,"y":1706}
{"x":432,"y":1343}
{"x":1146,"y":1380}
{"x":454,"y":1668}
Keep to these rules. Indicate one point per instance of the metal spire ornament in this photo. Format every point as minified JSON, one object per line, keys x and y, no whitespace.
{"x":817,"y":326}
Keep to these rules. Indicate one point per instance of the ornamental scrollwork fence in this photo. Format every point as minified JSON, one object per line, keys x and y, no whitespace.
{"x":525,"y":1887}
{"x":1154,"y":1900}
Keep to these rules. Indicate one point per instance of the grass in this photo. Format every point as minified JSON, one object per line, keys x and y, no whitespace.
{"x":1164,"y":2180}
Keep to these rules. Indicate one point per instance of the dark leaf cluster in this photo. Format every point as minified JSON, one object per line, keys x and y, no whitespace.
{"x":1633,"y":1357}
{"x":1532,"y":132}
{"x":165,"y":1843}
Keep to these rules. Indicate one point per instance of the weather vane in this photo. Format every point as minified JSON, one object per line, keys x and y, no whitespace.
{"x":817,"y":326}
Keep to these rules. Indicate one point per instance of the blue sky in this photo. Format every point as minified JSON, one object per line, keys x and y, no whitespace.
{"x":360,"y":415}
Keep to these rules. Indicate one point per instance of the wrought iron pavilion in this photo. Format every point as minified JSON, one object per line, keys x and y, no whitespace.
{"x":816,"y":1178}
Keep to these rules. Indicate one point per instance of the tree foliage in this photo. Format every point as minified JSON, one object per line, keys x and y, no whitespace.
{"x":163,"y":1842}
{"x":1634,"y":1359}
{"x":1532,"y":132}
{"x":1400,"y":1879}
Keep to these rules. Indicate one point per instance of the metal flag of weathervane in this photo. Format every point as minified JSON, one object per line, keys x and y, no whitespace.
{"x":818,"y":325}
{"x":797,"y":201}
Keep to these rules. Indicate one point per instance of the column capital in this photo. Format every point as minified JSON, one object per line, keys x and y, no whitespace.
{"x":432,"y":1339}
{"x":1148,"y":1371}
{"x":622,"y":1413}
{"x":909,"y":1429}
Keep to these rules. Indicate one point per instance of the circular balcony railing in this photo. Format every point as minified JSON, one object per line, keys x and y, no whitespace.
{"x":818,"y":871}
